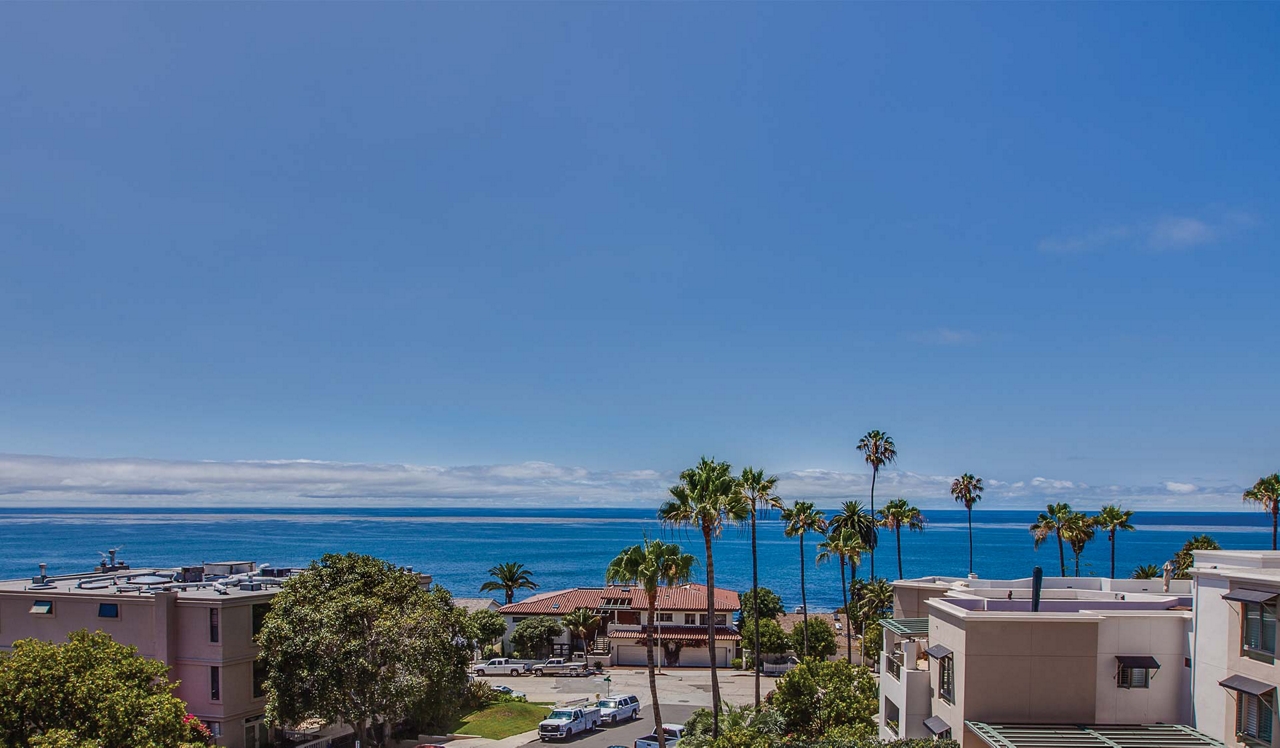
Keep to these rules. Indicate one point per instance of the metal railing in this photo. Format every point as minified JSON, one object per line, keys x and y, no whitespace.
{"x":895,"y":667}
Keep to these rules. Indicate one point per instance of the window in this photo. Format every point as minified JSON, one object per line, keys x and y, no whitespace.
{"x":665,"y":617}
{"x":1258,"y":635}
{"x":259,"y":679}
{"x":215,"y":728}
{"x":720,"y":619}
{"x":892,"y":717}
{"x":213,"y":625}
{"x":691,"y":619}
{"x":42,"y":607}
{"x":1133,"y":677}
{"x":1253,"y":718}
{"x":947,"y":678}
{"x":108,"y":610}
{"x":215,"y":683}
{"x":260,"y":611}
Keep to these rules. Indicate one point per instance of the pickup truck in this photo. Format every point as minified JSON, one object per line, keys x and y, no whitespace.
{"x":501,"y":666}
{"x":673,"y":733}
{"x":560,"y":666}
{"x":563,"y":723}
{"x":619,"y":708}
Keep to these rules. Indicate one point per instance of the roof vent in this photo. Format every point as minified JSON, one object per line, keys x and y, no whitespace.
{"x":555,"y":606}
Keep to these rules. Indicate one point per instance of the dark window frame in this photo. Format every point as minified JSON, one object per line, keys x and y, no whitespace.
{"x":947,"y":678}
{"x":215,"y":625}
{"x":259,"y":612}
{"x":1125,"y":679}
{"x":1264,"y":613}
{"x":113,"y":607}
{"x":1266,"y":716}
{"x":215,"y":683}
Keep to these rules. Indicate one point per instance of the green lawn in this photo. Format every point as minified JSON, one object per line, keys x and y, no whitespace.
{"x":502,"y":720}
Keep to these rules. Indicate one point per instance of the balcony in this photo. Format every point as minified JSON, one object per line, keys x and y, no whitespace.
{"x":893,"y":666}
{"x":905,"y":701}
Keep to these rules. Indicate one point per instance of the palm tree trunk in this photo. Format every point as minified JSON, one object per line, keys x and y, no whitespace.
{"x":1113,"y":554}
{"x":711,"y":635}
{"x":897,"y":535}
{"x":755,"y":606}
{"x":1077,"y":565}
{"x":1275,"y":520}
{"x":804,"y":599}
{"x":1062,"y":554}
{"x":653,"y":678}
{"x":848,"y":620}
{"x":969,"y":509}
{"x":874,"y":471}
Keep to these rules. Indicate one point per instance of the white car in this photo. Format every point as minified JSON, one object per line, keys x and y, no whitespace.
{"x":673,"y":733}
{"x":563,"y":723}
{"x":508,"y":690}
{"x":620,"y":708}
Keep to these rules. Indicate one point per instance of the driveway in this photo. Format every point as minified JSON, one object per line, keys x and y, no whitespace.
{"x":625,"y":734}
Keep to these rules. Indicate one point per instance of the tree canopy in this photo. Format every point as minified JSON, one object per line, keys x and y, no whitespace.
{"x":533,"y":636}
{"x":486,"y":626}
{"x":770,"y":604}
{"x":773,"y":640}
{"x":90,"y":692}
{"x":356,"y":638}
{"x":818,"y":697}
{"x":822,"y":638}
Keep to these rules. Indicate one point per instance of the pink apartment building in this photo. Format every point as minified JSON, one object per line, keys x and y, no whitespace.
{"x":200,"y":620}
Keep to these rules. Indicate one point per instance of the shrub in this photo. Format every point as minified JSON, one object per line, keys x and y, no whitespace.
{"x":533,"y":636}
{"x":822,"y":638}
{"x":736,"y":663}
{"x":817,"y":697}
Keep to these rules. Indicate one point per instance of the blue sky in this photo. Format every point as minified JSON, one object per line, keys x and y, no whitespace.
{"x":1030,"y":241}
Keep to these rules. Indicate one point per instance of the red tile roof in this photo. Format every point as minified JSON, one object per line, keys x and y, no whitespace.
{"x":691,"y":597}
{"x":687,"y":633}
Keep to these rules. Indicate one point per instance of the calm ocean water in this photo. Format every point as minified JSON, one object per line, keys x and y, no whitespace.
{"x":567,"y":547}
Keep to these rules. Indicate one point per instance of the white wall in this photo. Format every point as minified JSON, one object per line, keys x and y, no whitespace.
{"x":1213,"y":622}
{"x":1161,"y":636}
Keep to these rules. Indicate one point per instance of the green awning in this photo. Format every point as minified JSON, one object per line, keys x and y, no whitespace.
{"x":908,"y":627}
{"x":1091,"y":736}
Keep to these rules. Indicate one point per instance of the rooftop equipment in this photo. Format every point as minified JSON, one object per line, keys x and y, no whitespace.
{"x":1037,"y":581}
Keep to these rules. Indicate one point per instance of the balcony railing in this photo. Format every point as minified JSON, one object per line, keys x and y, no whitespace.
{"x":895,"y":666}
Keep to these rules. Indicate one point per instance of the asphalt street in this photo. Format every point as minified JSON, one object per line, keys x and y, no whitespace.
{"x":625,"y":734}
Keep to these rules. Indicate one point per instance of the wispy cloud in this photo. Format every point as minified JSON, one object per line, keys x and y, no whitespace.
{"x":945,"y":336}
{"x":27,"y":480}
{"x":1166,"y":233}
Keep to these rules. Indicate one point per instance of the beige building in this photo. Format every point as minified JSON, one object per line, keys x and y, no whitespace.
{"x":968,"y":658}
{"x":1234,"y":672}
{"x":199,"y":620}
{"x":680,"y":629}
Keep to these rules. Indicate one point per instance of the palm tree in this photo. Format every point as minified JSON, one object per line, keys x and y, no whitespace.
{"x":854,"y":516}
{"x":1146,"y":571}
{"x":1049,"y":522}
{"x":967,"y":490}
{"x":1077,"y":530}
{"x":1266,"y":494}
{"x":757,"y":491}
{"x":802,"y":517}
{"x":878,"y":450}
{"x":1185,"y":558}
{"x":876,"y":604}
{"x":843,"y":544}
{"x":1112,"y":518}
{"x":707,"y":498}
{"x":509,"y":577}
{"x":898,"y":514}
{"x":650,"y":565}
{"x":580,"y":622}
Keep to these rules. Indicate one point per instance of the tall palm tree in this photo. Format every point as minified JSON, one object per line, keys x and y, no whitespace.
{"x":876,"y":604}
{"x":967,"y":490}
{"x":509,"y":577}
{"x":1077,"y":530}
{"x":896,"y":515}
{"x":1266,"y":494}
{"x":843,"y":544}
{"x":853,"y":515}
{"x":1112,"y":518}
{"x":1049,"y":522}
{"x":651,"y":565}
{"x":802,"y":517}
{"x":878,"y":450}
{"x":707,"y":498}
{"x":580,"y":622}
{"x":757,"y":491}
{"x":1146,"y":571}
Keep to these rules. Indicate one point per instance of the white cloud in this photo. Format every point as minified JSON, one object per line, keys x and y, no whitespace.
{"x":1168,"y":232}
{"x":58,"y":481}
{"x":945,"y":336}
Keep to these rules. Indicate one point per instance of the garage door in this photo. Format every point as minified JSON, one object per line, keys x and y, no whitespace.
{"x":695,"y":657}
{"x":630,"y":655}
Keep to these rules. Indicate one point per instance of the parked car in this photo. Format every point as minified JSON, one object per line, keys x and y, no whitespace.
{"x":563,"y":723}
{"x":501,"y":666}
{"x":560,"y":666}
{"x":673,"y":733}
{"x":508,"y":690}
{"x":620,"y":708}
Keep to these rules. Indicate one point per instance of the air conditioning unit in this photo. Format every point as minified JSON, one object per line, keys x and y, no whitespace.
{"x":251,"y":586}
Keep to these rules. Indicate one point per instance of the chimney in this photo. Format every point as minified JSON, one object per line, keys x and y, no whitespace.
{"x":1037,"y":580}
{"x":43,"y":576}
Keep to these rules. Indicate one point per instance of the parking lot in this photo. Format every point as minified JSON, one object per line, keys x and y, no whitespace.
{"x":682,"y":687}
{"x":627,"y":733}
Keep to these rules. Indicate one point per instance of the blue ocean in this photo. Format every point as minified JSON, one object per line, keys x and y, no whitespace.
{"x":569,"y":547}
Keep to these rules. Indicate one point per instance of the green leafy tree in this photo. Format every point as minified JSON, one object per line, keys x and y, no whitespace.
{"x":1049,"y":522}
{"x":707,"y":498}
{"x":873,"y":640}
{"x":758,"y":492}
{"x":581,"y":623}
{"x":90,"y":691}
{"x":1077,"y":529}
{"x":1266,"y":494}
{"x":507,"y":578}
{"x":877,"y":450}
{"x":854,"y":516}
{"x":1146,"y":571}
{"x":1184,"y":558}
{"x":1112,"y":519}
{"x":534,"y":636}
{"x":772,"y":639}
{"x":764,"y":601}
{"x":651,"y":565}
{"x":846,"y":545}
{"x":486,"y":626}
{"x":356,"y":638}
{"x":817,"y":697}
{"x":967,"y":490}
{"x":898,"y":514}
{"x":803,"y":517}
{"x":820,"y":636}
